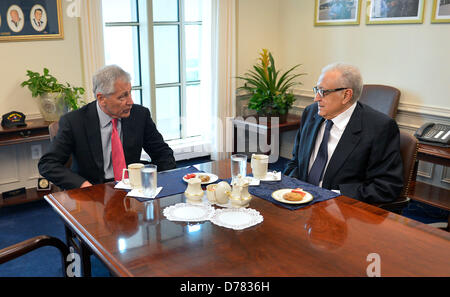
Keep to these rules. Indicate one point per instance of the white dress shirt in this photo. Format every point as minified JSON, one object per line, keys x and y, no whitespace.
{"x":339,"y":124}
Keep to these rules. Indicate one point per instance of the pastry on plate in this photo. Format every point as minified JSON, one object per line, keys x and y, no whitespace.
{"x":294,"y":195}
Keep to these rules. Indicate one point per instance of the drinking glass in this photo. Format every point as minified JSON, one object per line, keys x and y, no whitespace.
{"x":238,"y":166}
{"x":149,"y":180}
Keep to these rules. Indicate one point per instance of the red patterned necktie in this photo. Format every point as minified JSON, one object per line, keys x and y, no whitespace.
{"x":118,"y":158}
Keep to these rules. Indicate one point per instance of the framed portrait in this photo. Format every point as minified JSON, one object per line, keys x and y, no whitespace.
{"x":337,"y":12}
{"x":395,"y":11}
{"x":30,"y":20}
{"x":441,"y":11}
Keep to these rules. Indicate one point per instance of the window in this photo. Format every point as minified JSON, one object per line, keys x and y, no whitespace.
{"x":121,"y":38}
{"x":175,"y":47}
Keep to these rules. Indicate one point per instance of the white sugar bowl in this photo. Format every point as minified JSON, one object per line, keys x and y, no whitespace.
{"x":221,"y":191}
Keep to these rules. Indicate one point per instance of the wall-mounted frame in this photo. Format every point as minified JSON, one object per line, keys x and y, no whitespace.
{"x":441,"y":11}
{"x":337,"y":12}
{"x":395,"y":11}
{"x":30,"y":20}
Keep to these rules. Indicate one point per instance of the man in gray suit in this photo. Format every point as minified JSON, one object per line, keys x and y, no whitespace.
{"x":85,"y":134}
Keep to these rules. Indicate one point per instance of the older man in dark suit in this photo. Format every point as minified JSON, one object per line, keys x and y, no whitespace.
{"x":344,"y":145}
{"x":104,"y":136}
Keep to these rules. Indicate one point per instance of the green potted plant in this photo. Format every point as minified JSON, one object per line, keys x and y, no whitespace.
{"x":54,"y":98}
{"x":270,"y":90}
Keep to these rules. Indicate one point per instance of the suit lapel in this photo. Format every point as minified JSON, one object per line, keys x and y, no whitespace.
{"x":308,"y":142}
{"x":349,"y":140}
{"x":92,"y":128}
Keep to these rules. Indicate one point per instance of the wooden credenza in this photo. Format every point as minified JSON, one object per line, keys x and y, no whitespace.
{"x":36,"y":130}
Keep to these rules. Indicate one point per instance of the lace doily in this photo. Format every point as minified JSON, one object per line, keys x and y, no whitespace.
{"x":188,"y":212}
{"x":236,"y":218}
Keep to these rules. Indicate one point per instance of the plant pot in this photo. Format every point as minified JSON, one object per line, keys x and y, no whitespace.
{"x":52,"y":106}
{"x":282,"y":118}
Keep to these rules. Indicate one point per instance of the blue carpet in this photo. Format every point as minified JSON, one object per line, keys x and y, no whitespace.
{"x":24,"y":221}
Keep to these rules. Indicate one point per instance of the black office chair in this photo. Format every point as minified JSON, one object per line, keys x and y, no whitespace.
{"x":408,"y":150}
{"x":382,"y":98}
{"x":29,"y":245}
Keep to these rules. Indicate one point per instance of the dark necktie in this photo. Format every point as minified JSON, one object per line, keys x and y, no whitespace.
{"x":316,"y":172}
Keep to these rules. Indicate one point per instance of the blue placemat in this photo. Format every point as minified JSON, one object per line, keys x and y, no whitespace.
{"x":265,"y":190}
{"x":172,"y":182}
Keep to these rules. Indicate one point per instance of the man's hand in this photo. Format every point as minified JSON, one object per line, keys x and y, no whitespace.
{"x":85,"y":184}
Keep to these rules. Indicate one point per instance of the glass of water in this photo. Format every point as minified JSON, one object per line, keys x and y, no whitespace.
{"x":238,"y":166}
{"x":149,"y":180}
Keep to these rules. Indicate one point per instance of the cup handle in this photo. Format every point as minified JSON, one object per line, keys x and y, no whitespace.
{"x":123,"y":176}
{"x":127,"y":208}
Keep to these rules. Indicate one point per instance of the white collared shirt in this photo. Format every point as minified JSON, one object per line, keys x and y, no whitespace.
{"x":339,"y":124}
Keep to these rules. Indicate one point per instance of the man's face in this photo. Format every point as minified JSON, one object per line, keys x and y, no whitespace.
{"x":333,"y":103}
{"x":38,"y":15}
{"x":118,"y":104}
{"x":14,"y":16}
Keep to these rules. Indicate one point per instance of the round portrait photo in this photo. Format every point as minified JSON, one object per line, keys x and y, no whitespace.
{"x":38,"y":17}
{"x":15,"y":18}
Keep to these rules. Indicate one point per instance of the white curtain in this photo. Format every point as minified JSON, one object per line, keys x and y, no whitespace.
{"x":91,"y":27}
{"x":219,"y":69}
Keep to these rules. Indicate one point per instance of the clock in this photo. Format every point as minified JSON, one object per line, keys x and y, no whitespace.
{"x":43,"y":184}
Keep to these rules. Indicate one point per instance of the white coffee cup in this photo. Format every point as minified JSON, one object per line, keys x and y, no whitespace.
{"x":259,"y":165}
{"x":134,"y":175}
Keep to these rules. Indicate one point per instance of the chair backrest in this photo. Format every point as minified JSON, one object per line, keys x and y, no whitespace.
{"x":408,"y":150}
{"x":382,"y":98}
{"x":53,"y":129}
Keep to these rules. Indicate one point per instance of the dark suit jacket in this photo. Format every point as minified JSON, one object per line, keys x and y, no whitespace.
{"x":79,"y":136}
{"x":366,"y":164}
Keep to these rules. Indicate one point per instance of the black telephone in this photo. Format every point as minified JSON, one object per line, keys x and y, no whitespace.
{"x":436,"y":134}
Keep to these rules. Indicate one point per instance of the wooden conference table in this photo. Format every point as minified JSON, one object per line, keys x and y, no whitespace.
{"x":329,"y":238}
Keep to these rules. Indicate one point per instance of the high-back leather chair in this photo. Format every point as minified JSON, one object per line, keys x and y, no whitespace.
{"x":408,"y":150}
{"x":382,"y":98}
{"x":53,"y":129}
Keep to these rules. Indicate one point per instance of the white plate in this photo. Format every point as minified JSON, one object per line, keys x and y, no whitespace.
{"x":278,"y":195}
{"x":236,"y":218}
{"x":212,"y":177}
{"x":187,"y":212}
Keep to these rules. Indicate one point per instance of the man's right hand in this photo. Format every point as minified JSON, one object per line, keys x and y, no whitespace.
{"x":85,"y":184}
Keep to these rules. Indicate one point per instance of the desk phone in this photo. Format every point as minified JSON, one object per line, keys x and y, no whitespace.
{"x":432,"y":133}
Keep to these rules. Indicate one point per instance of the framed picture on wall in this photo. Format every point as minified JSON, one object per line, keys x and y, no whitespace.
{"x":337,"y":12}
{"x":30,"y":20}
{"x":394,"y":11}
{"x":441,"y":11}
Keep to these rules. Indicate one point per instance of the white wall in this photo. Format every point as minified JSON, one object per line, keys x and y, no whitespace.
{"x":61,"y":56}
{"x":411,"y":57}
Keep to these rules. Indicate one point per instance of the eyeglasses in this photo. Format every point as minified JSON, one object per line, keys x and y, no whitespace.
{"x":323,"y":93}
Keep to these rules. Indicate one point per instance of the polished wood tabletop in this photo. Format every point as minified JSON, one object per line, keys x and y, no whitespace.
{"x":330,"y":238}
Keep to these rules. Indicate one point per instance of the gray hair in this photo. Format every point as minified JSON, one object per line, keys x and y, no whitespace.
{"x":350,"y":77}
{"x":104,"y":79}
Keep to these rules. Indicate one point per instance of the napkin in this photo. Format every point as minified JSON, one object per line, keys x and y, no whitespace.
{"x":123,"y":186}
{"x":266,"y":189}
{"x":138,"y":193}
